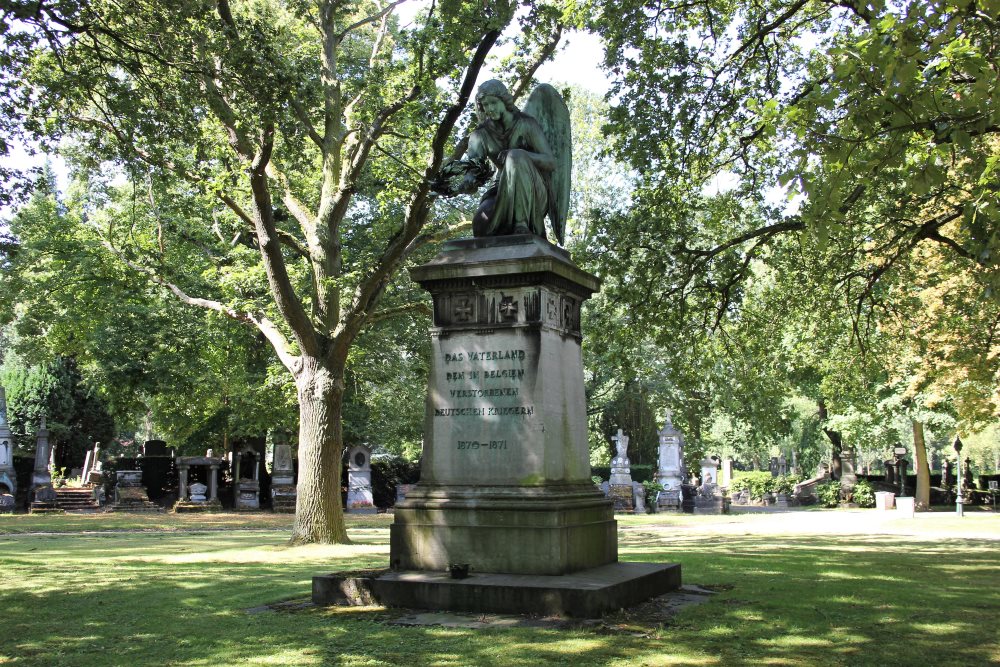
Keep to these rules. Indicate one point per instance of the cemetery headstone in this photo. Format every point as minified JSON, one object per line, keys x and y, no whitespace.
{"x":890,"y":471}
{"x":283,"y":492}
{"x":773,"y":467}
{"x":848,"y":478}
{"x":130,"y":494}
{"x":43,"y":495}
{"x":8,"y":476}
{"x":947,"y":475}
{"x":710,"y":498}
{"x":782,"y":465}
{"x":639,"y":497}
{"x":245,"y":465}
{"x":899,"y":453}
{"x":670,"y":469}
{"x":211,"y":502}
{"x":198,"y":493}
{"x":359,"y":481}
{"x":621,"y":475}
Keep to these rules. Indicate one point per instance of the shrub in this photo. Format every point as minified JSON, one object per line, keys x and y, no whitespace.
{"x":864,"y":494}
{"x":652,"y":488}
{"x":829,"y":494}
{"x":758,"y":483}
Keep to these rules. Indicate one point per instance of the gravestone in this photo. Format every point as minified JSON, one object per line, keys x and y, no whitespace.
{"x":94,"y":473}
{"x":710,"y":498}
{"x":899,"y":454}
{"x":890,"y":471}
{"x":621,"y":475}
{"x":359,"y":481}
{"x":505,"y":485}
{"x":773,"y":467}
{"x":130,"y":494}
{"x":154,"y":448}
{"x":639,"y":496}
{"x":848,"y":477}
{"x":283,"y":493}
{"x":246,"y":461}
{"x":8,"y":476}
{"x":947,"y":475}
{"x":670,"y":466}
{"x":782,"y":465}
{"x":42,"y":494}
{"x":211,"y":502}
{"x":197,"y":493}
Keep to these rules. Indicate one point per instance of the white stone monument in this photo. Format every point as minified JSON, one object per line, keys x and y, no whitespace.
{"x":359,"y":481}
{"x":670,"y":471}
{"x":621,"y":475}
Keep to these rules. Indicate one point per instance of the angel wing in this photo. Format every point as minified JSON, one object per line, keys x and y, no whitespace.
{"x":546,"y":106}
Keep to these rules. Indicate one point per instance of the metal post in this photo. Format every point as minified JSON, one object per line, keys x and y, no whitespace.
{"x":959,"y":500}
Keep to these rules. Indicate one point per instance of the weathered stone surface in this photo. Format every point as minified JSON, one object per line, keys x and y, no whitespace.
{"x":359,"y":481}
{"x":583,"y":594}
{"x":505,"y":478}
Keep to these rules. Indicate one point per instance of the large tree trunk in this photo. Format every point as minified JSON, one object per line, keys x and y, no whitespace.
{"x":835,"y":439}
{"x":319,"y":516}
{"x":923,"y":495}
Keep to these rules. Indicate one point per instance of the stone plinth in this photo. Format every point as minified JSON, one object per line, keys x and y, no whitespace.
{"x":505,"y":479}
{"x":584,"y":594}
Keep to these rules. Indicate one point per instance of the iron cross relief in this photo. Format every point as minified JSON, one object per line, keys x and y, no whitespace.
{"x":463,"y":309}
{"x":508,"y":308}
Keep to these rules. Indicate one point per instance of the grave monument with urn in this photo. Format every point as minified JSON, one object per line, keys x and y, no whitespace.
{"x":505,"y":496}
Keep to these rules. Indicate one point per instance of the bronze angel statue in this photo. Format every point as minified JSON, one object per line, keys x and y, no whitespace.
{"x":523,"y":156}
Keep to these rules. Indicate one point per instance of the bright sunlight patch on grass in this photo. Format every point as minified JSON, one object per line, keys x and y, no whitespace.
{"x":195,"y":592}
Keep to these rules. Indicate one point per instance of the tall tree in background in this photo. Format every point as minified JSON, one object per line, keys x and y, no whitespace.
{"x":290,"y":145}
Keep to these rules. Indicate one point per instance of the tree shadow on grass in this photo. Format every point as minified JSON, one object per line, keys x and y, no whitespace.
{"x":139,"y":600}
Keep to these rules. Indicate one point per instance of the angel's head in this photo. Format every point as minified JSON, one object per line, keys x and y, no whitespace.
{"x":493,"y":99}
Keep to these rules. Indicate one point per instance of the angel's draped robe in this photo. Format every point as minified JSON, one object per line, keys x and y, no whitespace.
{"x":518,"y":198}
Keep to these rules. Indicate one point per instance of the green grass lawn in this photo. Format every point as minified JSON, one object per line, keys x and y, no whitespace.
{"x":817,"y":588}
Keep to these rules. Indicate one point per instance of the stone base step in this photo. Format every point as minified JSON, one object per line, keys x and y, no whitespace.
{"x":583,"y":594}
{"x":188,"y":506}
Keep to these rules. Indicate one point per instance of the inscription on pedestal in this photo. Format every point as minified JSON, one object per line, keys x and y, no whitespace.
{"x":484,"y":386}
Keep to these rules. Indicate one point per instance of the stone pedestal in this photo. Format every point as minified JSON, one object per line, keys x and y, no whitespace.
{"x":505,"y":478}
